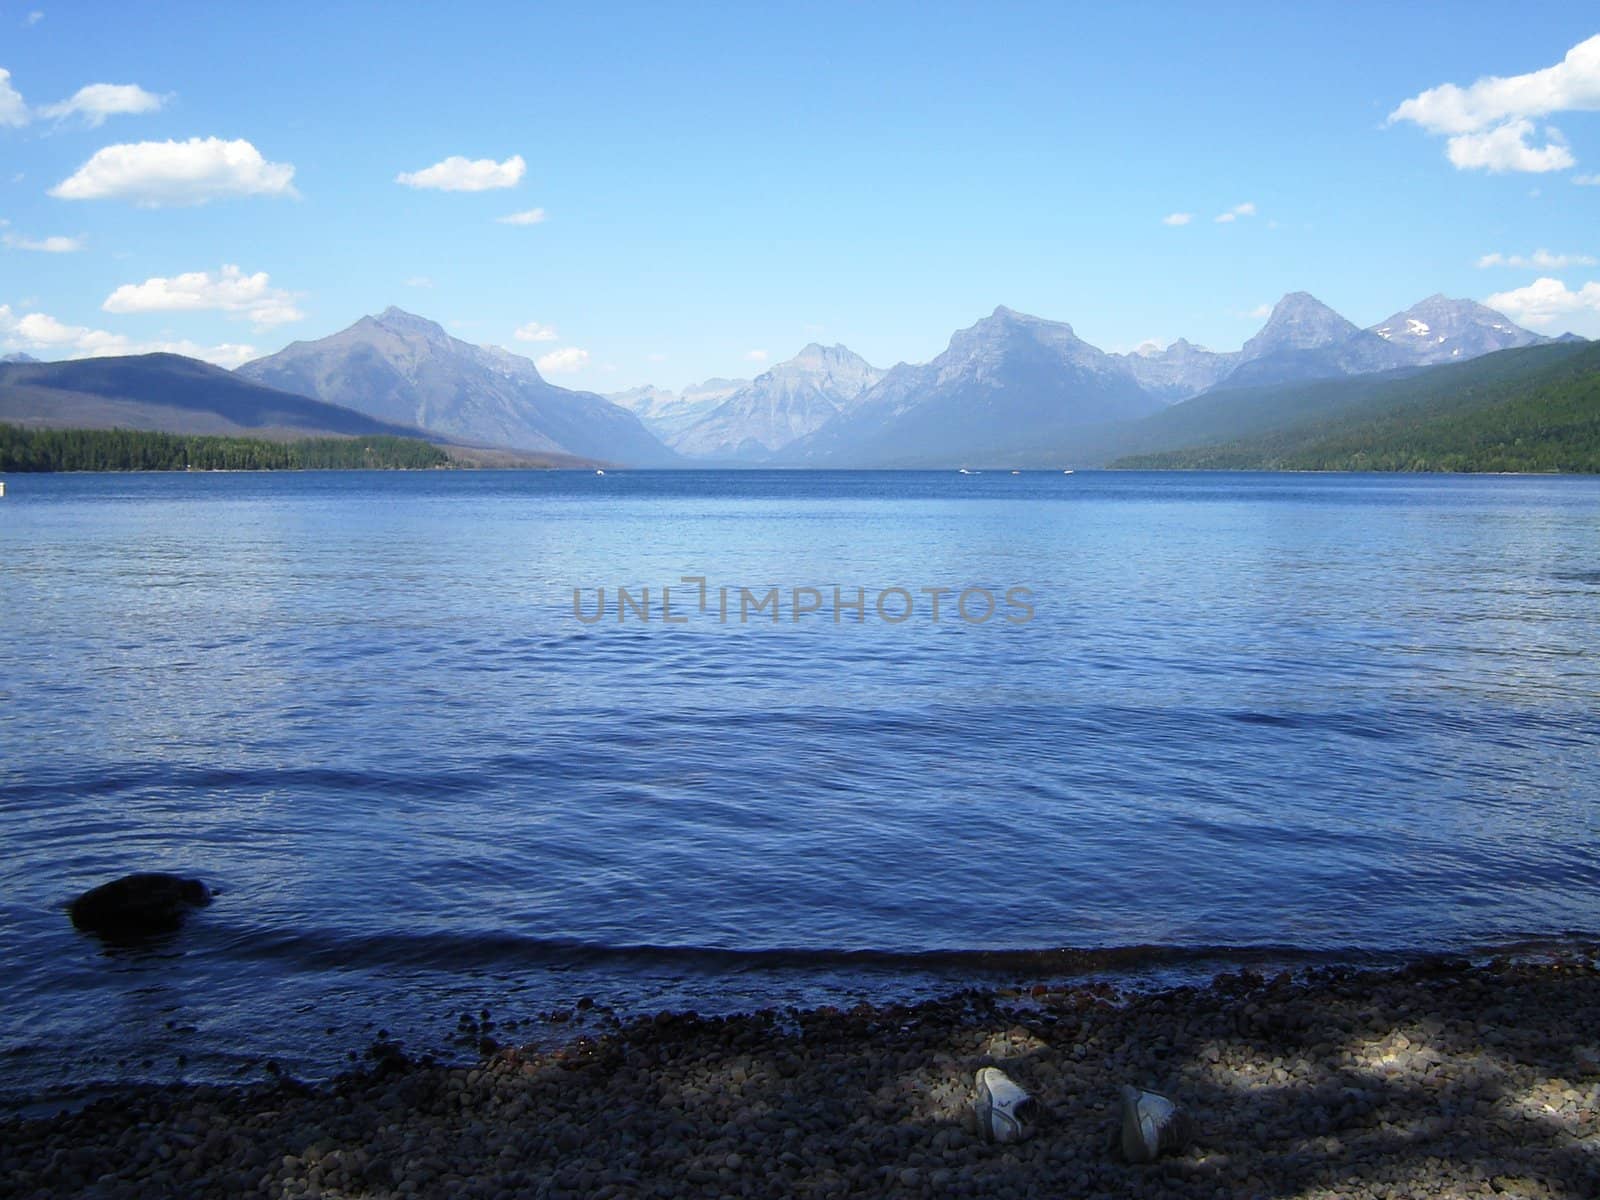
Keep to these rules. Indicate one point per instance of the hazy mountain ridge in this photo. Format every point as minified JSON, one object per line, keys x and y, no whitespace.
{"x":400,"y":367}
{"x":667,"y":414}
{"x":171,"y":394}
{"x":1179,"y":371}
{"x":780,"y":406}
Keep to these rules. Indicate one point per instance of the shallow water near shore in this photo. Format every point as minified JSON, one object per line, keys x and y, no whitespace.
{"x":1249,"y":717}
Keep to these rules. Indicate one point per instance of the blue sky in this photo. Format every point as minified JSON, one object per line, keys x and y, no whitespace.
{"x":720,"y":184}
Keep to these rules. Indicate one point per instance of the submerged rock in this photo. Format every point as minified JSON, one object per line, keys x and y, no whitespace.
{"x":138,"y":905}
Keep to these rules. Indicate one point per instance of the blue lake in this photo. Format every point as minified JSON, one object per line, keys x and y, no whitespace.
{"x":1300,"y":716}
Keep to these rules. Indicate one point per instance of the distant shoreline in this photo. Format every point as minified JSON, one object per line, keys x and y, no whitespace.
{"x":446,"y":468}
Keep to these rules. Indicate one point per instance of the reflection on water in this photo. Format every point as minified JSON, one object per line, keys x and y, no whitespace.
{"x":1320,"y":714}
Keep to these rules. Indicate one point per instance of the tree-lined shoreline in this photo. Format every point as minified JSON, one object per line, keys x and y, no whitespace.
{"x":51,"y":450}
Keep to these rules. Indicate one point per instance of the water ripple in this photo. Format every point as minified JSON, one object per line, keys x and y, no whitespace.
{"x":1252,"y":716}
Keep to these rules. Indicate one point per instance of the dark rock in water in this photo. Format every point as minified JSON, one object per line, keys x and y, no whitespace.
{"x":138,"y":905}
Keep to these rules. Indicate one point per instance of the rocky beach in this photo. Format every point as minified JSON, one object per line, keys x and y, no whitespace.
{"x":1442,"y":1079}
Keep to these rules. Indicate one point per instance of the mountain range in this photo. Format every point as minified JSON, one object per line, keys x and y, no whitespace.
{"x":1011,"y":389}
{"x":1016,"y":388}
{"x":1305,"y":339}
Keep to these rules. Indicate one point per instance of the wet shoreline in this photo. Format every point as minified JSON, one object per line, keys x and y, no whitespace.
{"x":1440,"y":1077}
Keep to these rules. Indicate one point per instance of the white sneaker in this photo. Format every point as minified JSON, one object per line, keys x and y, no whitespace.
{"x":1005,"y":1112}
{"x":1152,"y":1125}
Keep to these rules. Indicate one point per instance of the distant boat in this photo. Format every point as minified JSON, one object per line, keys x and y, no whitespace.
{"x":1068,"y":471}
{"x":1016,"y":472}
{"x":599,"y":472}
{"x":964,"y":471}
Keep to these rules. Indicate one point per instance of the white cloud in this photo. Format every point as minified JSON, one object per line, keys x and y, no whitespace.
{"x":1246,"y":209}
{"x":563,"y":362}
{"x":230,"y":290}
{"x":533,"y":216}
{"x":93,"y":102}
{"x":1546,"y":301}
{"x":1506,"y":148}
{"x":1571,"y":85}
{"x":1489,"y":122}
{"x":33,"y":18}
{"x":655,"y":357}
{"x":97,"y":101}
{"x":48,"y":245}
{"x":1177,"y":218}
{"x":1261,"y":312}
{"x":41,"y":332}
{"x":1543,"y":260}
{"x":13,"y":111}
{"x":535,"y":332}
{"x":755,"y":356}
{"x":153,"y":174}
{"x":1587,"y":180}
{"x":419,"y":281}
{"x":457,"y":174}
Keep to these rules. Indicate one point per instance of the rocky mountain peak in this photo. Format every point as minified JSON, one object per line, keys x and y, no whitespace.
{"x":397,"y":320}
{"x":824,"y":365}
{"x":1005,"y":319}
{"x":1005,"y":325}
{"x":1440,"y":329}
{"x":400,"y":367}
{"x":1299,"y":322}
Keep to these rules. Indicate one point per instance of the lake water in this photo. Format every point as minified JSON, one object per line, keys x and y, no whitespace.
{"x":1230,"y":716}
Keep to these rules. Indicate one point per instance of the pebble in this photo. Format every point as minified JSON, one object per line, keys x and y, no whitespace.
{"x":1334,"y":1084}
